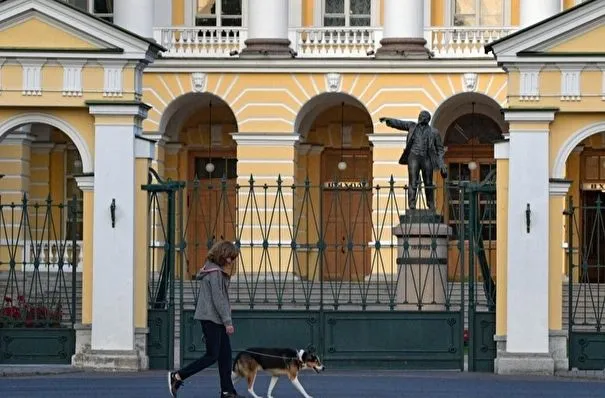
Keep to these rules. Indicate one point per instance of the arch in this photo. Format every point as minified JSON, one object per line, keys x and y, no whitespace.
{"x":559,"y":166}
{"x":460,"y":104}
{"x":316,"y":105}
{"x":181,"y":109}
{"x":29,"y":118}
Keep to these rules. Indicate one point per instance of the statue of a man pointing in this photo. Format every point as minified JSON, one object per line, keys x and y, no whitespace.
{"x":423,"y":153}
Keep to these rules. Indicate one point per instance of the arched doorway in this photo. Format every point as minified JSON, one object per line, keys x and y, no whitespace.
{"x":584,"y":166}
{"x":470,"y":124}
{"x":202,"y":123}
{"x":42,"y":235}
{"x":335,"y":156}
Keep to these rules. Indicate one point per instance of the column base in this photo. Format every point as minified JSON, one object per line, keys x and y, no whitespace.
{"x":403,"y":48}
{"x":86,"y":358}
{"x":267,"y":48}
{"x":535,"y":364}
{"x":111,"y":361}
{"x":557,"y":347}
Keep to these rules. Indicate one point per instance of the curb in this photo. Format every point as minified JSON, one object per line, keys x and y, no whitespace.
{"x":35,"y":370}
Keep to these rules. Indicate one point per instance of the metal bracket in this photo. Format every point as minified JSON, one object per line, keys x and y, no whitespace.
{"x":112,"y":209}
{"x":528,"y":217}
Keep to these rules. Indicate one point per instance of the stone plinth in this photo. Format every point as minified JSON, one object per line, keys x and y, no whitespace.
{"x":422,"y":261}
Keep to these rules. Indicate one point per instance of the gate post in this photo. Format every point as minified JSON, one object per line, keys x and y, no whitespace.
{"x":161,"y":309}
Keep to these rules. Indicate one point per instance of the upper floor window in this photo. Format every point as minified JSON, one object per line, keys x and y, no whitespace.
{"x":347,"y":12}
{"x":479,"y":12}
{"x":100,"y":8}
{"x":218,"y":13}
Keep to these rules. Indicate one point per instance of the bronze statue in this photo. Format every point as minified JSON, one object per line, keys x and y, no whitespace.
{"x":423,"y":153}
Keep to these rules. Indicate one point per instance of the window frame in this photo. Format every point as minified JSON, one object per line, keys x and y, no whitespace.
{"x":191,"y":13}
{"x":450,"y":13}
{"x":319,"y":15}
{"x":91,"y":7}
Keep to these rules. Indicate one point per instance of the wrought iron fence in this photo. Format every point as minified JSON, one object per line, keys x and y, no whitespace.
{"x":38,"y":264}
{"x":586,"y":293}
{"x":311,"y":252}
{"x":39,"y":258}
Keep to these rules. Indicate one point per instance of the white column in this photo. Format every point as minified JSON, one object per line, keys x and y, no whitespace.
{"x":403,"y":31}
{"x":403,"y":19}
{"x":268,"y":22}
{"x":268,"y":19}
{"x":113,"y":292}
{"x":135,"y":16}
{"x":533,"y":11}
{"x":528,"y":244}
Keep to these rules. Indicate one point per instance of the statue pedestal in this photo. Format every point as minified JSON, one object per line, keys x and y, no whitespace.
{"x":422,"y":239}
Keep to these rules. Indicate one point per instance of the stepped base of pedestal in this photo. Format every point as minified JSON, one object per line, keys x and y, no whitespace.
{"x":267,"y":48}
{"x":403,"y":48}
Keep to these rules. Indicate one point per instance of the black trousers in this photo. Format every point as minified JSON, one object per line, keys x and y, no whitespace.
{"x":416,"y":166}
{"x":218,"y":348}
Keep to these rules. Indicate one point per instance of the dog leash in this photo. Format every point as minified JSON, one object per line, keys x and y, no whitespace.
{"x":285,"y":358}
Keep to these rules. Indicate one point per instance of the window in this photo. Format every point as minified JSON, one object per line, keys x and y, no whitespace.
{"x":347,"y":12}
{"x":479,"y":12}
{"x":218,"y":13}
{"x":99,"y":8}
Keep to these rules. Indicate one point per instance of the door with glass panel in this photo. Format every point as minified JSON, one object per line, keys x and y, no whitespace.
{"x":479,"y":12}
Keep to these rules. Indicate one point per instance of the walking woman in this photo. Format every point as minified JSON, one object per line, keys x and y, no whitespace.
{"x":214,"y":312}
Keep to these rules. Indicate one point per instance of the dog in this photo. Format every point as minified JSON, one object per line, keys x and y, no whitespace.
{"x":276,"y":362}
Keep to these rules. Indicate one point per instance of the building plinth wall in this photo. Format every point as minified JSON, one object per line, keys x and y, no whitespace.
{"x":556,"y":360}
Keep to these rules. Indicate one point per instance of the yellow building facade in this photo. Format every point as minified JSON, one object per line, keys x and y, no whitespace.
{"x":281,"y":95}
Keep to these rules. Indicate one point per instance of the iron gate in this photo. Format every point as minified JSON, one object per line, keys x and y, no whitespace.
{"x":39,"y":252}
{"x":321,"y":268}
{"x":586,"y":295}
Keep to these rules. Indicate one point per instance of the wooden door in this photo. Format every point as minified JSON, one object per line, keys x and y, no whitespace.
{"x":347,"y":216}
{"x":211,"y":207}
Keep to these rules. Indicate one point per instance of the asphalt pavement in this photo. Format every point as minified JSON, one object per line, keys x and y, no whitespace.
{"x":330,"y":384}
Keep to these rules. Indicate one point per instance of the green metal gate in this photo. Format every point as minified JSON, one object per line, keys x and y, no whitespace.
{"x":39,"y":252}
{"x":320,"y":268}
{"x":586,"y":294}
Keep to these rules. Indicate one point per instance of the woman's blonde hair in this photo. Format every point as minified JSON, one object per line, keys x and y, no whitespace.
{"x":221,"y":251}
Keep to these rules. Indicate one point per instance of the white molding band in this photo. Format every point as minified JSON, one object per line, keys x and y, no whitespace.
{"x":558,"y":187}
{"x":268,"y":139}
{"x":86,"y":183}
{"x":388,"y":140}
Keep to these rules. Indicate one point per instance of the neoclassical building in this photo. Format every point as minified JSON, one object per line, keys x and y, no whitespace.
{"x":268,"y":112}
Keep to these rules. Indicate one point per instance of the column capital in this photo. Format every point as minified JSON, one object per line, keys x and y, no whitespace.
{"x":558,"y":187}
{"x":86,"y":182}
{"x":18,"y":138}
{"x":501,"y":149}
{"x":530,"y":115}
{"x":136,"y":109}
{"x":44,"y":147}
{"x":265,"y":139}
{"x":144,"y":148}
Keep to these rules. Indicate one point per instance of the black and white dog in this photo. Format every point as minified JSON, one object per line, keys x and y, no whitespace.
{"x":276,"y":362}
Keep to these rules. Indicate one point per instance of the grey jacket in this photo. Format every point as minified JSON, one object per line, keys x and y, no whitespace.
{"x":213,"y":300}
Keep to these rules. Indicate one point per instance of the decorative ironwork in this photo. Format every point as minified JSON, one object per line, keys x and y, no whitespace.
{"x":321,"y":265}
{"x":38,"y":309}
{"x":586,"y":295}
